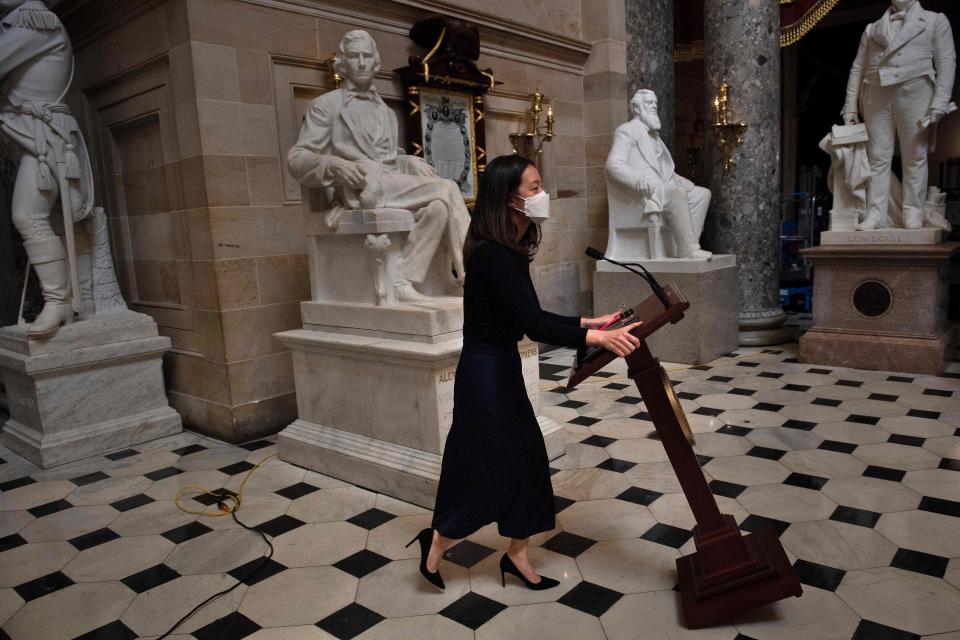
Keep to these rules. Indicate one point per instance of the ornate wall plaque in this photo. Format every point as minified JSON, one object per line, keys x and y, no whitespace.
{"x":872,"y":298}
{"x":447,"y":125}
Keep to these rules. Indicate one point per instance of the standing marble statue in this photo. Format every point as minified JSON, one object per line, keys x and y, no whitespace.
{"x":901,"y":79}
{"x":642,"y":183}
{"x":36,"y":68}
{"x":349,"y":145}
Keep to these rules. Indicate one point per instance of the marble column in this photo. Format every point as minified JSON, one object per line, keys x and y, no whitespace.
{"x":650,"y":57}
{"x":741,"y":47}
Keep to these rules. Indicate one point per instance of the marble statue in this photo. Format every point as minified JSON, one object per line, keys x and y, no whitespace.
{"x":348,"y":145}
{"x":901,"y":81}
{"x":644,"y":191}
{"x":38,"y":129}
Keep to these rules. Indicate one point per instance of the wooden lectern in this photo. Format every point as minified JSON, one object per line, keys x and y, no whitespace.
{"x":729,"y":572}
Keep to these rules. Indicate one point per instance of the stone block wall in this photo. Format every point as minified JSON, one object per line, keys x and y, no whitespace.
{"x":190,"y":107}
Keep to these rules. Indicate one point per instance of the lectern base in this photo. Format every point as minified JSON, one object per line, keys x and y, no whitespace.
{"x":774,"y":582}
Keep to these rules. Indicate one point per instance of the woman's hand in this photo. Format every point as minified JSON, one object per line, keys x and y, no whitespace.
{"x":600,"y":321}
{"x":619,"y":341}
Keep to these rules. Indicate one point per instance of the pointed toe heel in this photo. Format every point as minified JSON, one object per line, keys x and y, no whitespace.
{"x":425,"y":538}
{"x":507,"y":566}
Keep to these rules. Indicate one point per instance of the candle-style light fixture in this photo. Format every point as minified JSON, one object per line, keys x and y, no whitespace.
{"x":729,"y":135}
{"x":530,"y":143}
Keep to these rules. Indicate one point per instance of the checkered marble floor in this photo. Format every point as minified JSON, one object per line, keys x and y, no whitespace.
{"x":858,"y":471}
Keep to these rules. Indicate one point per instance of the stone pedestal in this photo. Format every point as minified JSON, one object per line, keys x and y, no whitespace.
{"x":880,"y":307}
{"x":710,"y":326}
{"x":925,"y":235}
{"x":95,"y":387}
{"x":375,"y":393}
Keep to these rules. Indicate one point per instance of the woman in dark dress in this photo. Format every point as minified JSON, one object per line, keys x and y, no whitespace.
{"x":494,"y":462}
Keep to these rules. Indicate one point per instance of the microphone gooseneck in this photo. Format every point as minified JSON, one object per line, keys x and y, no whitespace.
{"x":646,"y":275}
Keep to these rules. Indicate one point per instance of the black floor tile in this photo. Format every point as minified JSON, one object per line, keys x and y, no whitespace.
{"x":862,"y":419}
{"x":702,"y":459}
{"x":551,"y":371}
{"x":883,"y":397}
{"x":186,"y":532}
{"x":822,"y":372}
{"x":472,"y":610}
{"x":613,"y":464}
{"x":868,"y":630}
{"x":279,"y":525}
{"x":942,"y":393}
{"x":237,"y":467}
{"x":920,"y":562}
{"x":150,"y":578}
{"x":639,"y":496}
{"x":741,"y":392}
{"x":12,"y":541}
{"x":187,"y":450}
{"x":49,"y":508}
{"x":723,"y":379}
{"x":468,"y":553}
{"x":949,"y":464}
{"x":884,"y":473}
{"x":234,"y":626}
{"x":796,"y":387}
{"x":362,"y":563}
{"x":116,"y":630}
{"x":604,"y":374}
{"x":920,"y":413}
{"x":629,"y":400}
{"x":766,"y":453}
{"x":899,"y":379}
{"x":803,"y":425}
{"x":941,"y":506}
{"x":852,"y":515}
{"x":132,"y":502}
{"x":120,"y":455}
{"x":707,"y":411}
{"x":89,"y":478}
{"x":734,"y":430}
{"x":819,"y":575}
{"x":768,"y":406}
{"x":643,"y":415}
{"x":748,"y":363}
{"x":616,"y":386}
{"x":371,"y":518}
{"x":257,"y":570}
{"x":755,"y":523}
{"x":572,"y":404}
{"x":92,"y":539}
{"x":910,"y":441}
{"x":583,"y":421}
{"x":769,"y":374}
{"x":560,"y":503}
{"x":298,"y":490}
{"x":805,"y":481}
{"x":10,"y":485}
{"x":569,"y":544}
{"x":667,"y":535}
{"x":726,"y":489}
{"x":826,"y":402}
{"x":849,"y":383}
{"x":590,"y":598}
{"x":598,"y":441}
{"x":166,"y":472}
{"x":686,"y":395}
{"x":836,"y":445}
{"x":43,"y":585}
{"x":256,"y":444}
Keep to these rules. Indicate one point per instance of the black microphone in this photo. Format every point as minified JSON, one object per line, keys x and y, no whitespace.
{"x":646,"y":275}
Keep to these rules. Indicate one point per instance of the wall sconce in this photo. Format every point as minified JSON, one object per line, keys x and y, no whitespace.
{"x":530,"y":143}
{"x":334,"y":76}
{"x":729,"y":135}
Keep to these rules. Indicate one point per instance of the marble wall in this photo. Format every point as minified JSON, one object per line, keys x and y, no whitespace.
{"x":190,"y":107}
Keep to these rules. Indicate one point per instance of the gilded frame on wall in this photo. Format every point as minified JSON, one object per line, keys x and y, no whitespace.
{"x":447,"y":135}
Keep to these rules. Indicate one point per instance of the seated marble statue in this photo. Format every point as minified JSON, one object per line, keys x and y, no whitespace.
{"x":348,"y":144}
{"x":641,"y":182}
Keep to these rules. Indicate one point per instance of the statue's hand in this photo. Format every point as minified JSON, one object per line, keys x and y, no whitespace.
{"x":644,"y":188}
{"x":346,"y":172}
{"x":851,"y":118}
{"x":933,"y":116}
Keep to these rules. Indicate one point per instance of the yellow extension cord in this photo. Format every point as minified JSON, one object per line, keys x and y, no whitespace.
{"x":237,"y":500}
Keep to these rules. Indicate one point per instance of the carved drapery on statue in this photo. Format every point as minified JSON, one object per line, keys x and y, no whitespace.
{"x":797,"y":18}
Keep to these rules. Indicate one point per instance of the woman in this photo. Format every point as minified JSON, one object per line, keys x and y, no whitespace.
{"x":495,"y":466}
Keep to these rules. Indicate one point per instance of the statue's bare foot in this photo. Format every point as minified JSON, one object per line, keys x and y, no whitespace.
{"x":404,"y":291}
{"x":698,"y":254}
{"x":868,"y":224}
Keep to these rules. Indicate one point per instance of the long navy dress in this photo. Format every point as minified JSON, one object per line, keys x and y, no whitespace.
{"x":495,"y":466}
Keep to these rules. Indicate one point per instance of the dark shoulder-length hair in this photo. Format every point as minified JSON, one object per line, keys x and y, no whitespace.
{"x":491,"y":220}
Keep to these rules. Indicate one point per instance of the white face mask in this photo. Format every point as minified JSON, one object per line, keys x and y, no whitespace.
{"x":537,"y":208}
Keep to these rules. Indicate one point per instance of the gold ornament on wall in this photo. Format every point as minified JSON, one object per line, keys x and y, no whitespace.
{"x":728,"y":135}
{"x":530,"y":143}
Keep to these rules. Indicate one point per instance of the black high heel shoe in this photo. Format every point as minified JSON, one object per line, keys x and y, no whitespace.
{"x":507,"y":566}
{"x":425,"y":538}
